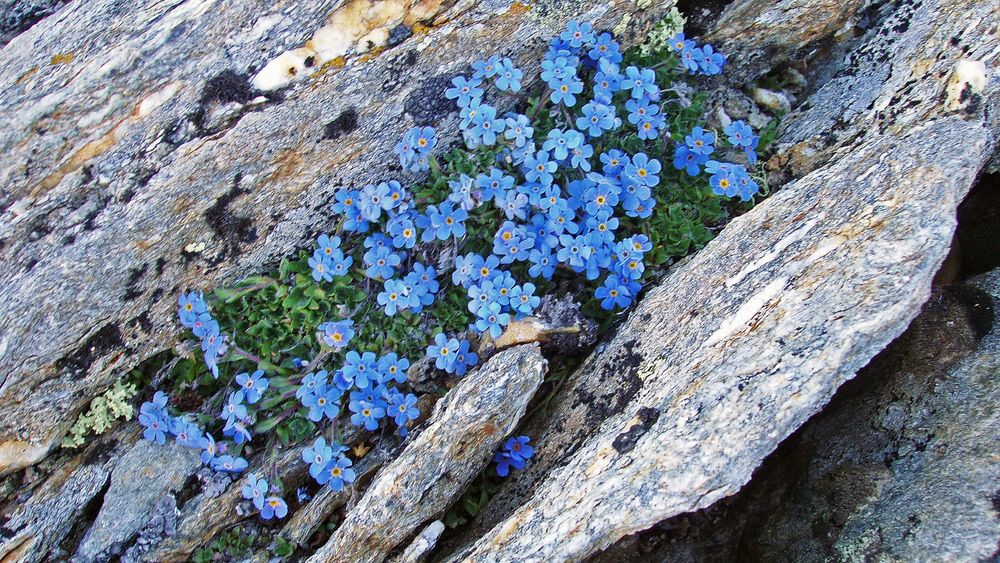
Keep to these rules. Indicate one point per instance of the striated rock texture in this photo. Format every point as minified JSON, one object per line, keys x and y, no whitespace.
{"x":790,"y":301}
{"x":139,"y":158}
{"x":901,"y":466}
{"x":468,"y":425}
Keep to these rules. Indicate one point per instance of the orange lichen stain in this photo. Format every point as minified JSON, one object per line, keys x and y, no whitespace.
{"x":421,"y":29}
{"x":27,"y":74}
{"x":337,"y":62}
{"x":518,"y":9}
{"x":371,"y":54}
{"x":61,"y":58}
{"x":86,"y":153}
{"x":289,"y":162}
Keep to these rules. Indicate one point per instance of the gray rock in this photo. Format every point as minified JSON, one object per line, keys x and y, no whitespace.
{"x":742,"y":344}
{"x":42,"y":521}
{"x":466,"y":428}
{"x":421,"y":545}
{"x":900,"y":466}
{"x":142,"y":477}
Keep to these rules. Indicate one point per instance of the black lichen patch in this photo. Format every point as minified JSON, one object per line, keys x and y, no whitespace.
{"x":161,"y":262}
{"x":228,"y":86}
{"x":427,"y":103}
{"x":101,"y":453}
{"x":397,"y":70}
{"x":232,"y":229}
{"x":399,"y":34}
{"x":21,"y":16}
{"x":101,"y":343}
{"x":626,"y":441}
{"x":132,"y":289}
{"x":701,"y":15}
{"x":346,"y":122}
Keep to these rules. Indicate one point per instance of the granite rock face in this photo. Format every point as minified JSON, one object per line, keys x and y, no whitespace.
{"x":901,"y":465}
{"x":142,"y":153}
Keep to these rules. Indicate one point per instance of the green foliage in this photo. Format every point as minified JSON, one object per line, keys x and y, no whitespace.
{"x":114,"y":404}
{"x":228,"y":546}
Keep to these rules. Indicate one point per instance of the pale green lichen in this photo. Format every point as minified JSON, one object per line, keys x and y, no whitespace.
{"x":659,"y":36}
{"x":103,"y":412}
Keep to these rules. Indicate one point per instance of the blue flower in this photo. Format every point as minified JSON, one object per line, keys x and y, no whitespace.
{"x":740,"y":134}
{"x":631,"y":268}
{"x":310,"y":382}
{"x":688,"y":160}
{"x":403,"y":409}
{"x":640,"y":109}
{"x":320,"y":268}
{"x":690,"y":56}
{"x":580,"y":157}
{"x":642,"y":82}
{"x":253,"y":385}
{"x":605,"y":48}
{"x":492,"y":320}
{"x":486,"y":126}
{"x":336,"y":334}
{"x":539,"y":168}
{"x":710,"y":62}
{"x":554,"y":70}
{"x":515,"y":453}
{"x":338,"y":474}
{"x":613,"y":294}
{"x":403,"y":231}
{"x":508,"y":77}
{"x":578,"y":34}
{"x":564,"y":90}
{"x":700,"y":141}
{"x":229,"y":464}
{"x":461,"y":192}
{"x":392,"y":297}
{"x":486,"y":69}
{"x":360,"y":369}
{"x":649,"y":127}
{"x":542,"y":263}
{"x":514,"y":206}
{"x":190,"y":306}
{"x":679,"y":43}
{"x":495,"y":185}
{"x":208,"y":448}
{"x":464,"y":91}
{"x":444,"y":223}
{"x":505,"y":461}
{"x":443,"y":351}
{"x":274,"y":507}
{"x":156,"y":428}
{"x":518,"y":129}
{"x":381,"y":262}
{"x":254,"y":489}
{"x":366,"y":414}
{"x":464,"y":359}
{"x":392,"y":368}
{"x":523,"y":300}
{"x":318,"y":456}
{"x":574,"y":251}
{"x":559,"y":142}
{"x":234,"y":409}
{"x":324,"y":401}
{"x":601,"y":197}
{"x":643,"y":170}
{"x":237,"y":429}
{"x":205,"y":326}
{"x":187,"y":433}
{"x":597,"y":118}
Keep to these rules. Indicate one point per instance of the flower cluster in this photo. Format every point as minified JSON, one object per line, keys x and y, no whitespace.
{"x":270,"y":505}
{"x":698,"y":60}
{"x":515,"y":453}
{"x":727,"y":179}
{"x":157,"y":423}
{"x":193,"y":314}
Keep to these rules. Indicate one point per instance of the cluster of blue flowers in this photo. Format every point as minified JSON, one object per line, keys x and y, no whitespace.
{"x":157,"y":423}
{"x":235,"y":412}
{"x":270,"y":505}
{"x":193,"y":314}
{"x":515,"y":453}
{"x":329,"y":464}
{"x":698,"y":60}
{"x":727,"y":179}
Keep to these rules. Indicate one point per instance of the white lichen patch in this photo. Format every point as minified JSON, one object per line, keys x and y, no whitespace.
{"x":356,"y":27}
{"x":968,"y":78}
{"x":157,"y":98}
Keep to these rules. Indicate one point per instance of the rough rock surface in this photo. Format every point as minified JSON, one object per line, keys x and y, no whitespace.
{"x":138,"y":159}
{"x":793,"y":298}
{"x":901,"y":466}
{"x":468,"y":425}
{"x":143,"y":475}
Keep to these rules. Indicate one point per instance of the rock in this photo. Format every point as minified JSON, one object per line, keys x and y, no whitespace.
{"x":422,"y":545}
{"x":898,"y":467}
{"x":792,"y":299}
{"x":467,"y":427}
{"x":133,"y":147}
{"x":144,"y":475}
{"x":41,"y":522}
